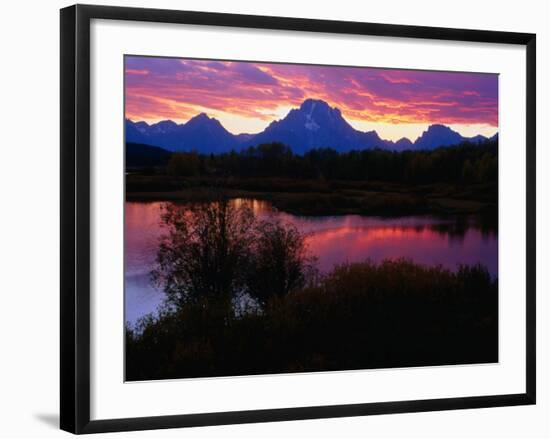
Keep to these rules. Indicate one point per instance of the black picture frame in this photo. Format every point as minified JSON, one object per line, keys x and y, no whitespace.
{"x":75,"y":217}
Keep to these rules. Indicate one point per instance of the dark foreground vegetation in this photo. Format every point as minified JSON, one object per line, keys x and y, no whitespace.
{"x":453,"y":180}
{"x":360,"y":316}
{"x":243,"y":297}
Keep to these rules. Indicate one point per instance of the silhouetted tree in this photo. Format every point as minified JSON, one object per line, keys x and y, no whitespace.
{"x":279,"y":263}
{"x":219,"y":250}
{"x":206,"y":251}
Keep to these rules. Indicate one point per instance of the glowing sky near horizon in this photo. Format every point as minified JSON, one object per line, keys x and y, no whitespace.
{"x":246,"y":96}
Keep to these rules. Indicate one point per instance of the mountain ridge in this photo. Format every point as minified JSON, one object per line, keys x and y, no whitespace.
{"x":314,"y":124}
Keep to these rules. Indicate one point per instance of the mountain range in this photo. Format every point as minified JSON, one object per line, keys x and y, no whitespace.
{"x":313,"y":125}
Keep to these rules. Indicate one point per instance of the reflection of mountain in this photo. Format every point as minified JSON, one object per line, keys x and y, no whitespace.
{"x":313,"y":125}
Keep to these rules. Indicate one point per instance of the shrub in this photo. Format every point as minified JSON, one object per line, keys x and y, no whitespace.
{"x":359,"y":316}
{"x":205,"y":253}
{"x":280,"y":263}
{"x":220,"y":250}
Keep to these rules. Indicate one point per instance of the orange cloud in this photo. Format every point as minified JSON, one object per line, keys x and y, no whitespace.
{"x":246,"y":95}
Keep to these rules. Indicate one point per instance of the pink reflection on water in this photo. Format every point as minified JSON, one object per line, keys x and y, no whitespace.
{"x":425,"y":246}
{"x":332,"y":239}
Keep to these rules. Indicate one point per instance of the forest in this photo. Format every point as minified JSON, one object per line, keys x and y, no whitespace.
{"x":446,"y":181}
{"x":465,"y":163}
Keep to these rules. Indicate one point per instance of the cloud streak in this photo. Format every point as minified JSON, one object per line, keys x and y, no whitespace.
{"x":246,"y":96}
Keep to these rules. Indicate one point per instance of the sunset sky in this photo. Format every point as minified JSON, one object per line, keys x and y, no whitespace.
{"x":246,"y":96}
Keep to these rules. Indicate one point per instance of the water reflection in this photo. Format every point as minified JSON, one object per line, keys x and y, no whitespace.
{"x":333,"y":239}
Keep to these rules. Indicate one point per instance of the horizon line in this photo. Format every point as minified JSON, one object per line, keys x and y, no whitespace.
{"x":427,"y":125}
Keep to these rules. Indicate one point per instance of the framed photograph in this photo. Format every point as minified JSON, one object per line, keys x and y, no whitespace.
{"x":268,"y":219}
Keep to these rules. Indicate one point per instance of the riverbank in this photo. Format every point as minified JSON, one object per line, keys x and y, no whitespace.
{"x":359,"y":316}
{"x":319,"y":197}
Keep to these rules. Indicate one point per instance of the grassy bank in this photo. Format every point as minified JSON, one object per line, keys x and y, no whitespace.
{"x":319,"y":197}
{"x":360,"y":316}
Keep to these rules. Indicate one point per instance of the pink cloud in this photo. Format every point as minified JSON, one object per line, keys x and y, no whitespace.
{"x":172,"y":88}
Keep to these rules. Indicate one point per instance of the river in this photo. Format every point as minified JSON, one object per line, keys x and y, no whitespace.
{"x":332,"y":239}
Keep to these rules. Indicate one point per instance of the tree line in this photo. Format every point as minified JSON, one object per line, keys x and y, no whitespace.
{"x":464,"y":163}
